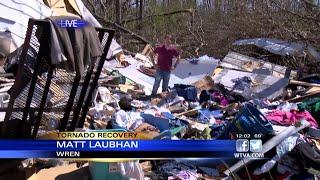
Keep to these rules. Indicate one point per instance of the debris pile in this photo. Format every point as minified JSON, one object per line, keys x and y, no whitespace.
{"x":208,"y":99}
{"x":241,"y":95}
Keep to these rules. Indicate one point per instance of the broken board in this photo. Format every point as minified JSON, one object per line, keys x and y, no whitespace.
{"x":242,"y":62}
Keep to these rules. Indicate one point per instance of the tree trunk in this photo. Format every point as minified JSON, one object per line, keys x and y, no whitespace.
{"x":118,"y":12}
{"x":137,"y":5}
{"x":141,"y":14}
{"x":217,"y":6}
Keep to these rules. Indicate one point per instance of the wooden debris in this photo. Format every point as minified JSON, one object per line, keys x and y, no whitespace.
{"x":304,"y":83}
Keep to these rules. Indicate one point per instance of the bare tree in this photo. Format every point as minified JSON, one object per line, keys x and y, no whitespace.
{"x":209,"y":26}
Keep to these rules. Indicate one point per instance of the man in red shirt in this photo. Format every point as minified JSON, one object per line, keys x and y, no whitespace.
{"x":165,"y":52}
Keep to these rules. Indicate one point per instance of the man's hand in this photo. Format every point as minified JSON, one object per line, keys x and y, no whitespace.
{"x":176,"y":63}
{"x":174,"y":67}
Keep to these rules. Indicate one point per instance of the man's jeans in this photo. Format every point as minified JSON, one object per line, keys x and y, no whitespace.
{"x":161,"y":75}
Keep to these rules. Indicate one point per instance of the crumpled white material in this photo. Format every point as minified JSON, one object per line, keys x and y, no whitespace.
{"x":286,"y":106}
{"x":128,"y":120}
{"x":130,"y":169}
{"x":285,"y":146}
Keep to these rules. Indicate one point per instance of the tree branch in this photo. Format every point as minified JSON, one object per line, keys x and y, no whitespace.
{"x":296,"y":14}
{"x":190,"y":11}
{"x":92,"y":6}
{"x":121,"y":28}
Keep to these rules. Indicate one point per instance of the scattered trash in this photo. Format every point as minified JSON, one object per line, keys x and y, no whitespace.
{"x":206,"y":100}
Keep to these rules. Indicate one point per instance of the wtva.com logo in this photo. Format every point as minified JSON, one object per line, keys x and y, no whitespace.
{"x":71,"y":23}
{"x":243,"y":145}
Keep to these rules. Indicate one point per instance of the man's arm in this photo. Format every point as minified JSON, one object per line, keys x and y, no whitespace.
{"x":153,"y":56}
{"x":177,"y":54}
{"x":177,"y":61}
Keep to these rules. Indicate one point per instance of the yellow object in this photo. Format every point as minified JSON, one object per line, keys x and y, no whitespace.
{"x":94,"y":135}
{"x":126,"y":87}
{"x":216,"y":72}
{"x":63,"y":8}
{"x":147,"y":50}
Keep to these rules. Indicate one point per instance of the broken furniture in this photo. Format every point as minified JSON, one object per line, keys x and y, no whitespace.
{"x":42,"y":92}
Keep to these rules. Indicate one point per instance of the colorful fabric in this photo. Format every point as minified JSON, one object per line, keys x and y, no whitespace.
{"x":184,"y":175}
{"x":291,"y":117}
{"x":220,"y":98}
{"x":188,"y":92}
{"x":313,"y":106}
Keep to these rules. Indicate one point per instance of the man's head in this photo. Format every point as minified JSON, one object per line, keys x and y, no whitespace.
{"x":167,"y":39}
